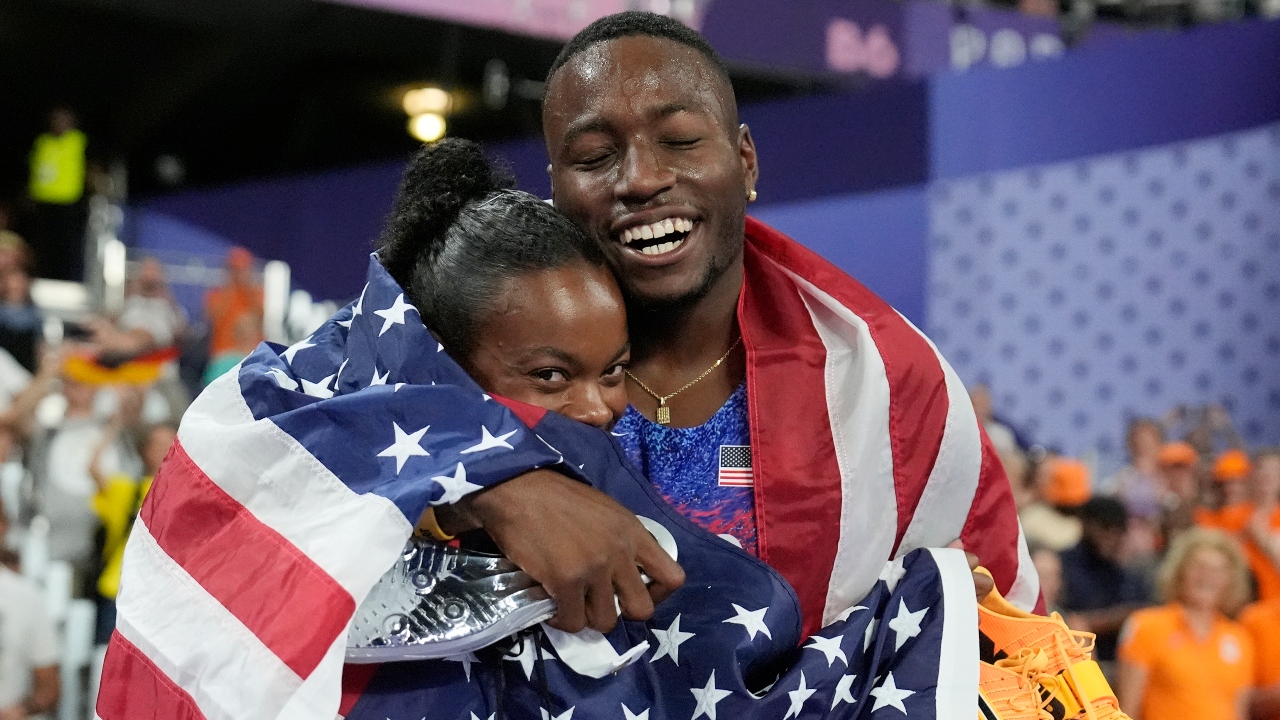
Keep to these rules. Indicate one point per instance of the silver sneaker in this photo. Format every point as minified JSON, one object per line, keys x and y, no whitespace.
{"x":439,"y":601}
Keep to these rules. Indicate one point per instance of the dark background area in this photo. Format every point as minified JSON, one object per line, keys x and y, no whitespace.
{"x":241,"y":89}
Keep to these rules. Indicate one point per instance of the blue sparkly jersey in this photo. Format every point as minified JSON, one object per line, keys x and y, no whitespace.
{"x":703,"y":471}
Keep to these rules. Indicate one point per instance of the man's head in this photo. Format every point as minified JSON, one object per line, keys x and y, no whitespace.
{"x":61,"y":119}
{"x":1105,"y":522}
{"x":642,"y":129}
{"x":1144,"y":438}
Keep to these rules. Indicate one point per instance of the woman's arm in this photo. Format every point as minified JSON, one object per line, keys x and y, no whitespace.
{"x":1131,"y":686}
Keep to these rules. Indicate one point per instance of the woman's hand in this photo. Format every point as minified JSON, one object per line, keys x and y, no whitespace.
{"x":580,"y":544}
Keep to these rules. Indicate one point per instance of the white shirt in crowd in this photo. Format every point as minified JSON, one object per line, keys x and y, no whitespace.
{"x":27,"y":639}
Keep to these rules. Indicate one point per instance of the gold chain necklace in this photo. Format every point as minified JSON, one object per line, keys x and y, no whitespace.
{"x":663,"y":416}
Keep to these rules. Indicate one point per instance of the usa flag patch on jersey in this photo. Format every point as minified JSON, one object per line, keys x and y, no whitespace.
{"x":735,"y":466}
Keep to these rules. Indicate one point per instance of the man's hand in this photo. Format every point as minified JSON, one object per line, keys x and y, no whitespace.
{"x":982,"y":583}
{"x":579,"y":543}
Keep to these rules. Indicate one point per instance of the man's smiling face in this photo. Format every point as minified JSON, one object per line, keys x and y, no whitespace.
{"x":647,"y":156}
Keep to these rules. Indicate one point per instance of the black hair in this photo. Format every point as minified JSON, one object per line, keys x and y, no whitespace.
{"x":458,"y":229}
{"x":635,"y":22}
{"x":1105,"y":512}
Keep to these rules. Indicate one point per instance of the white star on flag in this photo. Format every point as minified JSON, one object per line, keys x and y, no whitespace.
{"x":892,"y":573}
{"x":889,"y":694}
{"x":318,"y":389}
{"x":829,"y":647}
{"x":283,"y":379}
{"x":476,"y":717}
{"x":467,"y":660}
{"x":295,"y":349}
{"x":669,"y":642}
{"x":338,"y":378}
{"x":488,"y":441}
{"x":906,"y":624}
{"x":869,"y":635}
{"x":707,"y":698}
{"x":355,"y":310}
{"x":843,"y":693}
{"x":798,"y":696}
{"x":393,"y":315}
{"x":752,"y":620}
{"x":628,"y":715}
{"x":407,"y":445}
{"x":379,"y":379}
{"x":566,"y":715}
{"x":455,"y":486}
{"x":845,"y":615}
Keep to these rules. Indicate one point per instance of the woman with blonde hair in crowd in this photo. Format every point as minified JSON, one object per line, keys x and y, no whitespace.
{"x":1188,"y":658}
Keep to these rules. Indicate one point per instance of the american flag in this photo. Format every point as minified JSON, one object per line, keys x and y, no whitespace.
{"x":296,"y":479}
{"x":735,"y":466}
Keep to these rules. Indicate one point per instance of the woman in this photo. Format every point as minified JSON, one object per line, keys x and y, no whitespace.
{"x":1187,"y":658}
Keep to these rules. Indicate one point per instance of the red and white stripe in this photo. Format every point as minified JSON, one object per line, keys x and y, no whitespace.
{"x":898,"y":460}
{"x":240,"y":575}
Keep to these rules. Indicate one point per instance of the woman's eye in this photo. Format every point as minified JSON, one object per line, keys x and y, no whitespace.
{"x":616,"y":371}
{"x":551,"y":375}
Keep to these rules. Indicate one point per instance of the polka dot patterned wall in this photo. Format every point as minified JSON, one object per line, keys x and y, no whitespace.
{"x":1089,"y":292}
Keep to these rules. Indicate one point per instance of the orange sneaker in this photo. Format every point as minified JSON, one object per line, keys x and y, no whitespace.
{"x":1045,"y":651}
{"x":1008,"y":694}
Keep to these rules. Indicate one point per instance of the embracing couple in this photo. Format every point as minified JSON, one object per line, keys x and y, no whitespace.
{"x":790,"y":436}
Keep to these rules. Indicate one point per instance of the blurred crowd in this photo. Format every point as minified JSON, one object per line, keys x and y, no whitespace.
{"x":1172,"y":562}
{"x":89,"y":406}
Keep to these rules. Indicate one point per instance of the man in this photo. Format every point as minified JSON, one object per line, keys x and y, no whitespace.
{"x":28,"y":648}
{"x":57,"y":187}
{"x":1098,"y":592}
{"x":642,"y":130}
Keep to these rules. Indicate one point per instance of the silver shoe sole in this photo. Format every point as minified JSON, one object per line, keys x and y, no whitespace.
{"x":439,"y":601}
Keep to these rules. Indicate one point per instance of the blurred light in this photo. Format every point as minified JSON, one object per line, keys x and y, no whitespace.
{"x":426,"y":100}
{"x":275,"y":298}
{"x":496,"y":85}
{"x":427,"y":127}
{"x":113,"y":274}
{"x":170,"y":170}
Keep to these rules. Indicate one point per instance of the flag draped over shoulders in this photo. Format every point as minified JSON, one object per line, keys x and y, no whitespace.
{"x":296,"y":480}
{"x":864,"y":440}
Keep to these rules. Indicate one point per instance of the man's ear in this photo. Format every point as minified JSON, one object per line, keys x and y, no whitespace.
{"x":747,"y":153}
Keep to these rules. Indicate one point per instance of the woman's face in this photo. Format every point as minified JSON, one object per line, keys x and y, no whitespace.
{"x":557,"y":339}
{"x":1205,"y":578}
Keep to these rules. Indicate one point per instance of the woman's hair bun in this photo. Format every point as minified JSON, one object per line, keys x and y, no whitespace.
{"x":441,"y":179}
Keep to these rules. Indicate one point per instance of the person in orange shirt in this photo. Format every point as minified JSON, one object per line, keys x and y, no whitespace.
{"x":1187,"y":658}
{"x":1262,"y":620}
{"x":232,"y":310}
{"x":1178,"y":462}
{"x":1251,"y":512}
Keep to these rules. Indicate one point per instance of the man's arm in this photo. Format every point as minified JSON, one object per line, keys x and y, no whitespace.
{"x":992,"y":532}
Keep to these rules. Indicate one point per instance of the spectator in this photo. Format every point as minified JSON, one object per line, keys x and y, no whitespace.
{"x":21,"y":323}
{"x":57,"y":188}
{"x":235,"y":314}
{"x":149,"y":321}
{"x":1262,"y":621}
{"x":29,"y":682}
{"x":1178,"y":463}
{"x":66,"y":486}
{"x":1002,"y":436}
{"x":1249,"y":513}
{"x":1138,"y":483}
{"x":1098,"y":592}
{"x":1049,"y":567}
{"x":1262,"y":536}
{"x":117,"y":502}
{"x":1187,"y":658}
{"x":1059,"y":484}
